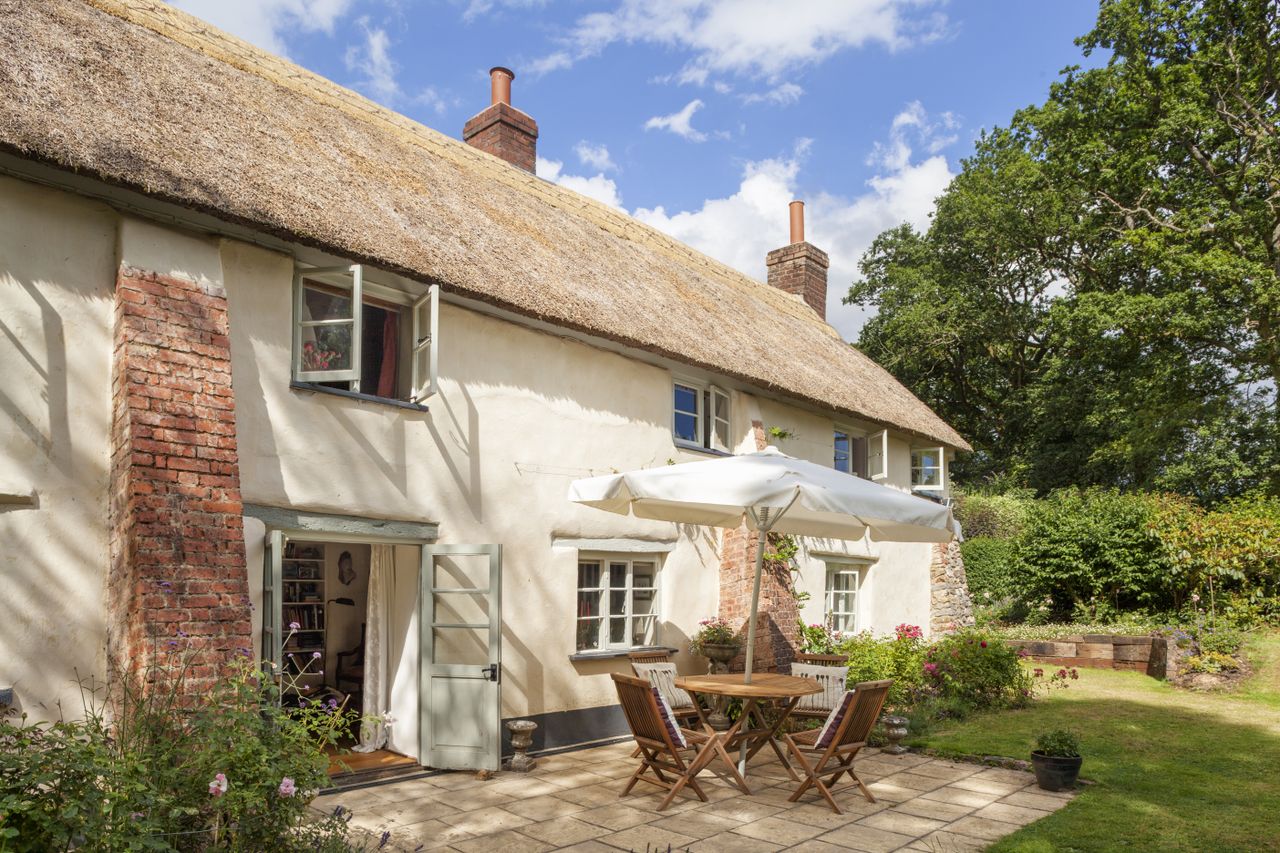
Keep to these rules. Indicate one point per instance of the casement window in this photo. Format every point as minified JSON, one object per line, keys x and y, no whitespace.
{"x":850,"y":452}
{"x":844,"y":584}
{"x":617,"y":601}
{"x":700,"y":415}
{"x":352,"y":336}
{"x":878,"y":455}
{"x":928,"y":468}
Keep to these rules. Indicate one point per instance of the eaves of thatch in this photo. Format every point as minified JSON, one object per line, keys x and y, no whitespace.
{"x":141,"y":96}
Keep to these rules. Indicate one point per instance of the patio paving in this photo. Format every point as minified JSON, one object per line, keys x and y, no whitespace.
{"x":570,"y":802}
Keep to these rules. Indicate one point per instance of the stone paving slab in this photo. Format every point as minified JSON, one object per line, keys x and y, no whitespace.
{"x":570,"y":802}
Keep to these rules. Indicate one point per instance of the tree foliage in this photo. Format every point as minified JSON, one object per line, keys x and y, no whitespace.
{"x":1097,"y":300}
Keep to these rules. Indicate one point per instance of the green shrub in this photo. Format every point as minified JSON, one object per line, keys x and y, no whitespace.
{"x":1222,"y":640}
{"x":977,"y":671}
{"x":899,"y":658}
{"x":224,"y":769}
{"x":984,"y":516}
{"x":1059,"y":743}
{"x":988,"y":565}
{"x":1211,"y":662}
{"x":1083,"y":553}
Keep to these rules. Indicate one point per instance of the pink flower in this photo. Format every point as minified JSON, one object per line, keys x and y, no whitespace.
{"x":293,"y":626}
{"x":218,"y":786}
{"x":287,"y":788}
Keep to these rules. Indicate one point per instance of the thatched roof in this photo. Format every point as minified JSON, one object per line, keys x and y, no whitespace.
{"x":139,"y":95}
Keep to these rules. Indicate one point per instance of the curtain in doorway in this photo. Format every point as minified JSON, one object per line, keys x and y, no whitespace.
{"x":382,"y":578}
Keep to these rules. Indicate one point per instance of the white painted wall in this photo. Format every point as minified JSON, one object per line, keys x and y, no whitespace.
{"x":57,"y":274}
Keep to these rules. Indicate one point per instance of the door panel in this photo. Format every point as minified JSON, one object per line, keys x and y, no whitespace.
{"x":272,"y":573}
{"x":460,"y":619}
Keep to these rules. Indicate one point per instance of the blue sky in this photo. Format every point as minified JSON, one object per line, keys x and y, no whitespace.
{"x":705,"y":117}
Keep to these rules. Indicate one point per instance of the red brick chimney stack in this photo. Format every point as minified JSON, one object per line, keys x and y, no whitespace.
{"x":501,"y":129}
{"x":800,"y":268}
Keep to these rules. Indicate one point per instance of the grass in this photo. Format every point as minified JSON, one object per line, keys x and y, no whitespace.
{"x":1173,"y":770}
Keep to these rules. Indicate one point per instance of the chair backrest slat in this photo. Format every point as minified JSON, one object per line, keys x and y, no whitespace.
{"x":823,"y":660}
{"x":641,"y":709}
{"x":650,"y":656}
{"x":868,"y":699}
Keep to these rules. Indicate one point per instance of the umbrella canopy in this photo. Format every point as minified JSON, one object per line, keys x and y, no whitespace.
{"x":771,"y":492}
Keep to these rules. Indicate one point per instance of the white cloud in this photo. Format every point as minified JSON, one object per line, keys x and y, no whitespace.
{"x":595,"y":156}
{"x":757,"y":38}
{"x":599,"y":187}
{"x":431,"y":98}
{"x":741,"y":228}
{"x":265,"y":22}
{"x":679,"y":123}
{"x":476,"y":8}
{"x":782,"y":94}
{"x":913,"y":127}
{"x":372,"y":61}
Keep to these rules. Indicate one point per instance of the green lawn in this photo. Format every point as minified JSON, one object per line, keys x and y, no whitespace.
{"x":1173,"y":770}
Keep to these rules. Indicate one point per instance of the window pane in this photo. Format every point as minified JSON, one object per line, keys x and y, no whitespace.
{"x":588,"y":634}
{"x":843,"y":581}
{"x":686,"y":399}
{"x":686,"y":427}
{"x":845,"y":623}
{"x":843,"y":602}
{"x":642,"y":575}
{"x":618,"y":603}
{"x":642,"y":632}
{"x":642,"y":602}
{"x":618,"y":575}
{"x":589,"y":603}
{"x":617,"y":630}
{"x":326,"y":347}
{"x":842,"y":458}
{"x":588,"y":575}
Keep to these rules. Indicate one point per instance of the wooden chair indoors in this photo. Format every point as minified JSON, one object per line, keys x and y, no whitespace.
{"x":839,"y":741}
{"x":663,"y":743}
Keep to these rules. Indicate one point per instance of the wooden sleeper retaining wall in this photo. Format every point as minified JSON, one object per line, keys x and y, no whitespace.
{"x":1102,"y":651}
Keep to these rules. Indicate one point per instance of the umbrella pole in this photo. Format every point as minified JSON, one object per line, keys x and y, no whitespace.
{"x":755,"y":602}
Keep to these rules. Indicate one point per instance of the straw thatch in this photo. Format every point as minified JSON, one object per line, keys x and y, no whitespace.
{"x":142,"y":96}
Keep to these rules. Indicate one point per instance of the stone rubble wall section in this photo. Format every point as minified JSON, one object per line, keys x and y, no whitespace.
{"x":950,"y":607}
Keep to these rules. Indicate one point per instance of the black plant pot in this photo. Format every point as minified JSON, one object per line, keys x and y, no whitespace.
{"x":1055,"y":772}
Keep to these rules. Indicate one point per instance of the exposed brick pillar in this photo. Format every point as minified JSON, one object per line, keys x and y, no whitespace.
{"x":177,"y":562}
{"x":501,"y":129}
{"x":800,"y":268}
{"x":950,"y":607}
{"x":778,"y":623}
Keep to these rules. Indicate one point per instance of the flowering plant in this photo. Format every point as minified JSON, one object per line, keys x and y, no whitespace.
{"x":713,"y":632}
{"x":818,"y":639}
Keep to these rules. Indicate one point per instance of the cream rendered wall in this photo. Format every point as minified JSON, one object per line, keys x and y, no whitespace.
{"x":57,"y":276}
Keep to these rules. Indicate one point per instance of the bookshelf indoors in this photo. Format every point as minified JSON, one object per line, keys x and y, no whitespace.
{"x":303,"y":602}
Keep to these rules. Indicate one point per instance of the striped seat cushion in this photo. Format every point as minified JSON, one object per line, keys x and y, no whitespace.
{"x":832,"y":725}
{"x":663,"y":677}
{"x":833,"y":680}
{"x":669,"y":720}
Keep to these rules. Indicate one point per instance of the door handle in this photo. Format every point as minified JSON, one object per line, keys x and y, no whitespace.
{"x":490,"y":672}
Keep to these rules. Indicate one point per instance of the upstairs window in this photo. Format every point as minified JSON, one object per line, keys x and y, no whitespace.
{"x":349,"y":339}
{"x":878,"y":455}
{"x":928,"y":468}
{"x":850,"y":452}
{"x":617,"y":602}
{"x":700,"y":415}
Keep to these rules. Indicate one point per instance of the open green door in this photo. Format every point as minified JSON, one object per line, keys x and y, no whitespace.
{"x":460,"y":594}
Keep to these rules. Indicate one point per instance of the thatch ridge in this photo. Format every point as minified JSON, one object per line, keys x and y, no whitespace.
{"x":142,"y":95}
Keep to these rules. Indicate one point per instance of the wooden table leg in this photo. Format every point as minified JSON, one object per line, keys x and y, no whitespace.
{"x":771,"y":738}
{"x":726,"y":738}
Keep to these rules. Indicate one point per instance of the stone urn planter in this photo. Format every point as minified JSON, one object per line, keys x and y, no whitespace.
{"x":1056,"y":772}
{"x":719,"y":655}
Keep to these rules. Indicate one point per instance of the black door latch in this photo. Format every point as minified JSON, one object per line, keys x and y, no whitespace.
{"x":490,"y":672}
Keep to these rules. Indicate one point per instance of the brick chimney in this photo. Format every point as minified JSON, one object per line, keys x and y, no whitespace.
{"x":800,"y":268}
{"x":501,"y":129}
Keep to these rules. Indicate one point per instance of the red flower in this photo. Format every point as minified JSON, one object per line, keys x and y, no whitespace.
{"x":983,"y":644}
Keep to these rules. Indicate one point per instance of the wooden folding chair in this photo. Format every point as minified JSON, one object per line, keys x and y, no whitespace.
{"x":839,"y":741}
{"x":650,"y":656}
{"x":661,"y":742}
{"x":832,"y":677}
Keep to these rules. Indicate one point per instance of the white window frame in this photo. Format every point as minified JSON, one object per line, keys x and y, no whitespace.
{"x":856,"y":568}
{"x":942,"y":469}
{"x":606,"y":560}
{"x":356,"y":274}
{"x":425,"y":348}
{"x":708,"y":425}
{"x":838,"y":430}
{"x":878,"y":440}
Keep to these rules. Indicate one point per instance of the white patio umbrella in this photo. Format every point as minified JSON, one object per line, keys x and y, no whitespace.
{"x":773,"y":492}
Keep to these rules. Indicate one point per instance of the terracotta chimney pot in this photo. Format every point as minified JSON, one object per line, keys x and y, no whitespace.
{"x":797,"y":222}
{"x":500,"y":84}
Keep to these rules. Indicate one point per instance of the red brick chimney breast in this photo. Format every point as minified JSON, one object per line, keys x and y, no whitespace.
{"x":801,"y":267}
{"x":501,"y":129}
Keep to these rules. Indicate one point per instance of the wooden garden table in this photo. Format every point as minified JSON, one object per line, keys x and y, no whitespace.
{"x":765,"y":687}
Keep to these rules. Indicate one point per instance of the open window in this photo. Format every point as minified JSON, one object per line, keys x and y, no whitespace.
{"x":878,"y":455}
{"x":701,"y":416}
{"x":353,"y":336}
{"x":849,"y":452}
{"x":718,"y":432}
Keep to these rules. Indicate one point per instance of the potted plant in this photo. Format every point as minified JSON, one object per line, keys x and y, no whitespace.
{"x":1056,"y":760}
{"x":717,"y":641}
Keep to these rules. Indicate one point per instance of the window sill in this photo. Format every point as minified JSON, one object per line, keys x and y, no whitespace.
{"x":612,"y":654}
{"x":681,"y":444}
{"x":356,"y":395}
